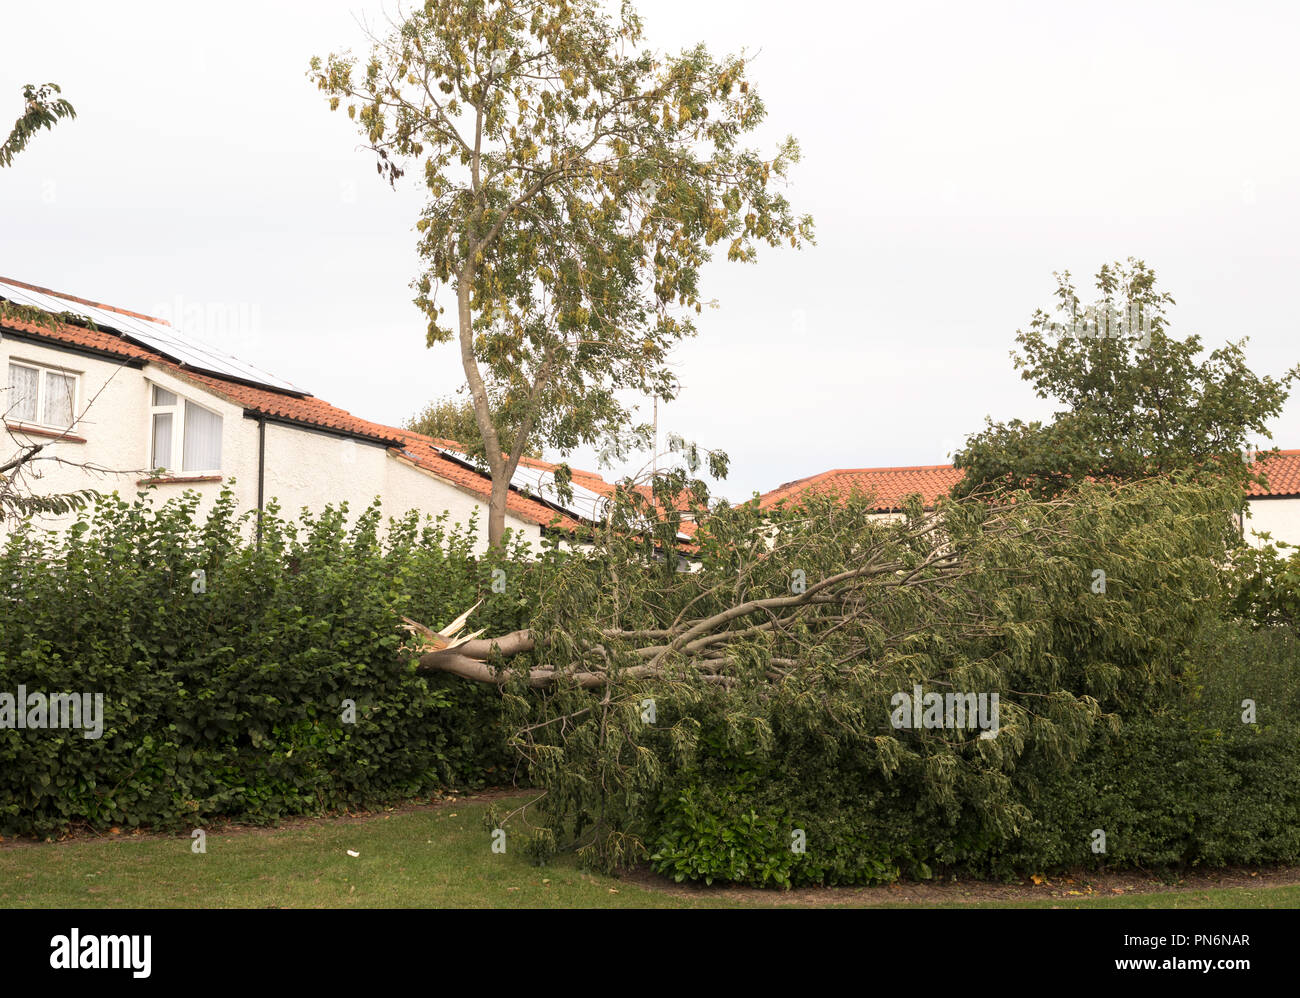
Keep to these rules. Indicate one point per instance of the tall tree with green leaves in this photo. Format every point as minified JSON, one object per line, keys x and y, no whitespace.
{"x":1136,"y":401}
{"x":41,"y":109}
{"x":577,"y":184}
{"x":453,"y":418}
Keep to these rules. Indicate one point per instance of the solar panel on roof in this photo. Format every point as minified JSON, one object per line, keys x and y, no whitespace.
{"x":157,"y":336}
{"x":585,"y":504}
{"x":539,"y":482}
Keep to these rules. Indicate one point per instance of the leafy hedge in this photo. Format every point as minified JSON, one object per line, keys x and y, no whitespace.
{"x":1190,"y":783}
{"x":224,"y":694}
{"x":1184,"y":783}
{"x":226,"y":702}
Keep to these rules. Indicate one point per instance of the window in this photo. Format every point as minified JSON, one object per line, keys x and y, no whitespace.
{"x":185,"y":431}
{"x":41,"y":395}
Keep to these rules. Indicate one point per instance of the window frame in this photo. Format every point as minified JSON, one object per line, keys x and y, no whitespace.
{"x":177,"y":410}
{"x":42,"y":371}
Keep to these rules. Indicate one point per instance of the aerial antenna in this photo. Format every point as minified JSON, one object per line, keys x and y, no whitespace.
{"x":654,"y":453}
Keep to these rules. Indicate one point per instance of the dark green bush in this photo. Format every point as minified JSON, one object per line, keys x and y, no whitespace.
{"x":1183,"y":783}
{"x":1188,"y":782}
{"x":224,"y":698}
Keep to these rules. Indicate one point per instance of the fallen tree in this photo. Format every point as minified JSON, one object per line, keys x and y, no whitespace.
{"x":764,"y":595}
{"x":800,"y":627}
{"x":921,"y":556}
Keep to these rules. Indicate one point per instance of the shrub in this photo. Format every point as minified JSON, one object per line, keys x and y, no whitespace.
{"x":1188,"y":783}
{"x":1267,"y":584}
{"x":1183,"y":782}
{"x":709,"y":834}
{"x":225,"y":665}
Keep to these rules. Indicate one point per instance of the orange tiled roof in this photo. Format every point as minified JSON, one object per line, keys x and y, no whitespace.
{"x":423,"y":452}
{"x":305,"y":410}
{"x":1283,"y":473}
{"x":890,"y":486}
{"x":102,"y":340}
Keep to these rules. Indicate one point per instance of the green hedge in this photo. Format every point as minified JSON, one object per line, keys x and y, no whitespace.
{"x":224,"y":698}
{"x":1189,"y":783}
{"x":1183,"y":783}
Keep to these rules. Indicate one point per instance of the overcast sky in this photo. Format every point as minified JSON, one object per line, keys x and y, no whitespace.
{"x":955,"y":155}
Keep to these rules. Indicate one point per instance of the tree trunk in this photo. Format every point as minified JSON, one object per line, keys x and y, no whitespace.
{"x":497,"y":464}
{"x":497,"y":510}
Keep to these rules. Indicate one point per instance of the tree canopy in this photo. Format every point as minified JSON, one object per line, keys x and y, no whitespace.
{"x":577,"y":184}
{"x":453,"y":418}
{"x":1137,"y":401}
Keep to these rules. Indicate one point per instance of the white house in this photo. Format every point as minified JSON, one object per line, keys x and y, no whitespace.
{"x":124,"y":394}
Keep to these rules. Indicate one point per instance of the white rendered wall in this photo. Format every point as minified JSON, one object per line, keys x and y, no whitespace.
{"x":1278,"y":516}
{"x":303,"y":467}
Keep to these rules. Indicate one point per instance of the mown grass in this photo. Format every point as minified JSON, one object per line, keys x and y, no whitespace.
{"x":439,"y":857}
{"x":431,"y":857}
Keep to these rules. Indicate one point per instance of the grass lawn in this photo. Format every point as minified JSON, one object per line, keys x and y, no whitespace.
{"x":436,"y":856}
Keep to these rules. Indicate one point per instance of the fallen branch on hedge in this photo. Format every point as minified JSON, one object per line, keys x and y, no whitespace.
{"x":1074,"y":616}
{"x":928,"y":582}
{"x":842,"y":601}
{"x":538,"y":677}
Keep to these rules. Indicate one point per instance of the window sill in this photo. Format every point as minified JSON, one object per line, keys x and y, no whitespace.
{"x":178,"y":479}
{"x":43,"y":431}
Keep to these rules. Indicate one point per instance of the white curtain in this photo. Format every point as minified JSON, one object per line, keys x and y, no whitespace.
{"x":202,"y":451}
{"x":20,"y":402}
{"x":59,"y":389}
{"x":162,"y":439}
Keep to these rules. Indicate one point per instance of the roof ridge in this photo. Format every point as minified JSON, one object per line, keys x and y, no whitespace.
{"x":898,"y":467}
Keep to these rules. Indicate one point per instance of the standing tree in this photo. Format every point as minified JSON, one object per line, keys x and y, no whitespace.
{"x":1138,"y":402}
{"x":577,"y":184}
{"x":452,"y":418}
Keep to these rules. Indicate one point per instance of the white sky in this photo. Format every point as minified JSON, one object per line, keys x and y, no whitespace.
{"x":955,"y":155}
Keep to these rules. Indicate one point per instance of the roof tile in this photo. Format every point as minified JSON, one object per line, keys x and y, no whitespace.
{"x":888,"y":487}
{"x":891,"y":486}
